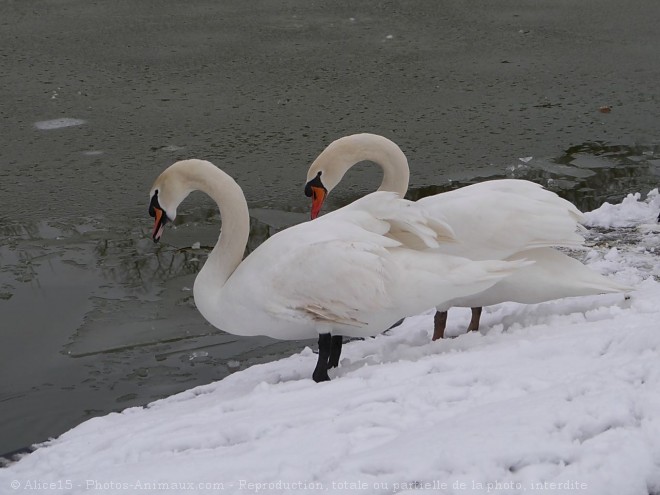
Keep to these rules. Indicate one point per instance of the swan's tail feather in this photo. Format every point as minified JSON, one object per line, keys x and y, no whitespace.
{"x":438,"y":279}
{"x":603,"y":285}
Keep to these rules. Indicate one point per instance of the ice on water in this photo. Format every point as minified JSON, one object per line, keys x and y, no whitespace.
{"x":46,"y":125}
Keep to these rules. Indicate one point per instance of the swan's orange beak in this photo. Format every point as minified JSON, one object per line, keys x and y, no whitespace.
{"x":160,"y":217}
{"x":159,"y":224}
{"x":318,"y":196}
{"x":316,"y":190}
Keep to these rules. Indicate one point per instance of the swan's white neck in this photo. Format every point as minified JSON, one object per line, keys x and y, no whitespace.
{"x":228,"y":251}
{"x":345,"y":152}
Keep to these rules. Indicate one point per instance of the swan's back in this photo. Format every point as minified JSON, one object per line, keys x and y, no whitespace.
{"x":498,"y":218}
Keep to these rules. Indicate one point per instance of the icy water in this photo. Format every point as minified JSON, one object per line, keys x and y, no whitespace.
{"x":99,"y":97}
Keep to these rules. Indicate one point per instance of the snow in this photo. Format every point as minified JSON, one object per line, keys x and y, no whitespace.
{"x":561,"y":398}
{"x":630,"y":213}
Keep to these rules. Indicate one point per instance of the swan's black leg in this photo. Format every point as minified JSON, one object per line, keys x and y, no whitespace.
{"x":321,"y":371}
{"x":439,"y":324}
{"x":474,"y":322}
{"x":335,"y":351}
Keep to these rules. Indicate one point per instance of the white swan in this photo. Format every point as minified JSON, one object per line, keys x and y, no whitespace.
{"x":496,"y":219}
{"x":340,"y":275}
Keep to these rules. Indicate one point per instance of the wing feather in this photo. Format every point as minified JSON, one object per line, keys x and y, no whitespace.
{"x":343,"y":280}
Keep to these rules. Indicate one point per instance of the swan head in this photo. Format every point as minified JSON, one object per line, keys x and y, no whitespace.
{"x":330,"y":166}
{"x":169,"y":190}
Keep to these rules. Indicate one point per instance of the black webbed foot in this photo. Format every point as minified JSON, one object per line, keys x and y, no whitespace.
{"x":320,"y":376}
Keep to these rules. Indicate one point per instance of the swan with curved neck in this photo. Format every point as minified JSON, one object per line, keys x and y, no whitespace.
{"x":330,"y":166}
{"x":354,"y":272}
{"x":498,"y":219}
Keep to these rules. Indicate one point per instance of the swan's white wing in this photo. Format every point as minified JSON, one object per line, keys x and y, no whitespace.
{"x":496,"y":219}
{"x":339,"y":282}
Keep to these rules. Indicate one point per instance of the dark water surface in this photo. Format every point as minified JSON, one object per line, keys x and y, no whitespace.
{"x":95,"y":318}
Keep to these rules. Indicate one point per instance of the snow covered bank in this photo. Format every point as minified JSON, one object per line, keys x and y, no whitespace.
{"x":561,"y":397}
